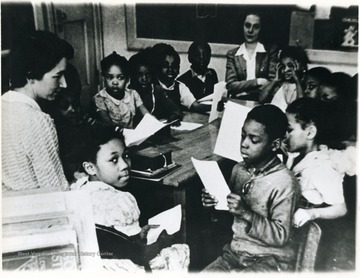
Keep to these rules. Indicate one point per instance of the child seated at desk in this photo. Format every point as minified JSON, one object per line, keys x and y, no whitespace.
{"x":313,"y":79}
{"x":106,"y":163}
{"x":153,"y":97}
{"x":199,"y":78}
{"x":321,"y":185}
{"x":320,"y":179}
{"x":287,"y":84}
{"x":263,"y":199}
{"x":167,"y":65}
{"x":117,"y":104}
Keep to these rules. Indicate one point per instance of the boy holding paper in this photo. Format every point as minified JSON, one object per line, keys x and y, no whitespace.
{"x":262,"y":199}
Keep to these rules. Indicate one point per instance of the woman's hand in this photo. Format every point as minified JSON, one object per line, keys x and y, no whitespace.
{"x":235,"y":204}
{"x":301,"y":216}
{"x":207,"y":199}
{"x":145,"y":230}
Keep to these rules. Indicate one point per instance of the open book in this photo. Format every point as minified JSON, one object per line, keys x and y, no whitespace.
{"x":169,"y":220}
{"x":213,"y":180}
{"x":148,"y":126}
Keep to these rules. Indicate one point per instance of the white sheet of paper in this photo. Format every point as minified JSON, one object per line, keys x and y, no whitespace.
{"x":186,"y":126}
{"x":206,"y":98}
{"x":229,"y":137}
{"x":148,"y":126}
{"x":219,"y":92}
{"x":169,"y":220}
{"x":213,"y":180}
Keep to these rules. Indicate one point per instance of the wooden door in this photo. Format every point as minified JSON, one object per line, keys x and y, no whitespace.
{"x":79,"y":24}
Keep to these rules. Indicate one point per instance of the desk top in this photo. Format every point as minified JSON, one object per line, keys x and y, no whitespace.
{"x":198,"y":143}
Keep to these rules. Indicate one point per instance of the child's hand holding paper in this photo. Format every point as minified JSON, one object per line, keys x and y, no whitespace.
{"x":213,"y":181}
{"x":169,"y":220}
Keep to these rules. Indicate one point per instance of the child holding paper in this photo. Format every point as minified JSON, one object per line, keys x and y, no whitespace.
{"x":105,"y":161}
{"x":117,"y":104}
{"x":263,"y":199}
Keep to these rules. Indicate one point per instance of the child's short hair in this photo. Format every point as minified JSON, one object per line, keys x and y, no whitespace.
{"x":195,"y":45}
{"x":272,"y":118}
{"x":297,"y":53}
{"x":311,"y":111}
{"x":89,"y":144}
{"x":114,"y":59}
{"x":322,"y":74}
{"x":160,"y":51}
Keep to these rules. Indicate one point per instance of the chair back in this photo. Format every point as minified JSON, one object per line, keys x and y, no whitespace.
{"x":307,"y":239}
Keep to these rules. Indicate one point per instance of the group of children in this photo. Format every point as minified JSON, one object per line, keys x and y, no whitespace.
{"x":268,"y":196}
{"x":147,"y":84}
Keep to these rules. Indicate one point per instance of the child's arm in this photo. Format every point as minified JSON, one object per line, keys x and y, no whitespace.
{"x":329,"y":184}
{"x":297,"y":77}
{"x":302,"y":216}
{"x":104,"y":117}
{"x":143,"y":110}
{"x":101,"y":110}
{"x":274,"y":229}
{"x":267,"y":91}
{"x":199,"y":107}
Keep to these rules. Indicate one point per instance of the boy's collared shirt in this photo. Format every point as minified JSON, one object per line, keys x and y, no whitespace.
{"x":250,"y":62}
{"x":201,"y":77}
{"x":319,"y":180}
{"x":186,"y":97}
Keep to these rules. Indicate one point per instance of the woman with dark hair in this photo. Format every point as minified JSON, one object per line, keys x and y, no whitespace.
{"x":30,"y":157}
{"x":251,"y":65}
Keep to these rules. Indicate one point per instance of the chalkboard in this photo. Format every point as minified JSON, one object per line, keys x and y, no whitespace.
{"x":219,"y":24}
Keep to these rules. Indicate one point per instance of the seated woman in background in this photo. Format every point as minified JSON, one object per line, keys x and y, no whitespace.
{"x":252,"y":65}
{"x":117,"y":104}
{"x":287,"y":84}
{"x":199,"y":78}
{"x":153,"y":97}
{"x":30,"y":156}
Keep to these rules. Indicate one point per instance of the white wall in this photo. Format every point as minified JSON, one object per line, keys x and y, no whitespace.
{"x":115,"y":39}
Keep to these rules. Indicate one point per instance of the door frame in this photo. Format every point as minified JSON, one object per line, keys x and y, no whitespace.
{"x":45,"y":20}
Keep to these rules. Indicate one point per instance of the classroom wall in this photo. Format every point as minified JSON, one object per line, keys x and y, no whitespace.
{"x":114,"y":32}
{"x":115,"y":39}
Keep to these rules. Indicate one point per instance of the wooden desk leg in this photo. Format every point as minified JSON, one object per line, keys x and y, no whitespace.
{"x":180,"y":198}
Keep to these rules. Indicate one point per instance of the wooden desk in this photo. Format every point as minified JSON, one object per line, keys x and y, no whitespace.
{"x":198,"y":143}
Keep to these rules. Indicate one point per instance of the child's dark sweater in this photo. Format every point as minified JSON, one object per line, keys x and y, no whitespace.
{"x":197,"y":87}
